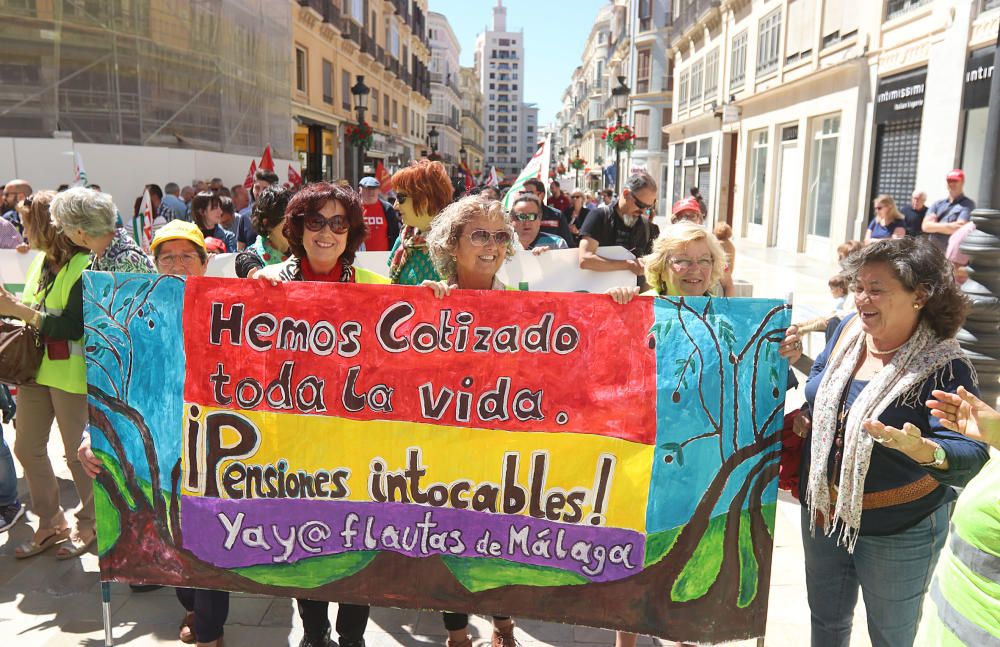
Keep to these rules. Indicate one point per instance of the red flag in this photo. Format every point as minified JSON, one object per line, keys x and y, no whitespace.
{"x":266,"y":163}
{"x":293,"y":177}
{"x":468,"y":176}
{"x":248,"y":182}
{"x":383,"y":177}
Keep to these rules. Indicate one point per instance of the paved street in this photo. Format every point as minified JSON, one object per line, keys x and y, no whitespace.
{"x":45,"y":602}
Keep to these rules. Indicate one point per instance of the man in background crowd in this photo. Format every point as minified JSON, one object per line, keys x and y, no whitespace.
{"x":553,"y":222}
{"x":913,"y":213}
{"x":382,"y":220}
{"x":14,"y":192}
{"x":245,"y":235}
{"x":948,"y":215}
{"x":557,"y":199}
{"x":173,"y":202}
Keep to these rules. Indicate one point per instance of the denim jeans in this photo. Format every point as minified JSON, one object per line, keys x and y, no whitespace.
{"x":892,"y":571}
{"x":8,"y":477}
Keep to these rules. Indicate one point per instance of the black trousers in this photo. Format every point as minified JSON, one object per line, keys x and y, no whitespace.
{"x":351,"y":619}
{"x":458,"y":621}
{"x":210,"y":608}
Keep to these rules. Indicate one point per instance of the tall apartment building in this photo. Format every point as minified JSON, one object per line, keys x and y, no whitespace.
{"x":792,"y":115}
{"x":336,"y":42}
{"x":446,"y":96}
{"x":499,"y":62}
{"x":529,"y":119}
{"x":473,"y":133}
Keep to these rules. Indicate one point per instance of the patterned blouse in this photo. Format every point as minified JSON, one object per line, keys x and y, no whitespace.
{"x":418,"y":267}
{"x":122,"y":255}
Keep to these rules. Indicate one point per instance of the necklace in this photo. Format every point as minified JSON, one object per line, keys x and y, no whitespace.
{"x":874,"y":351}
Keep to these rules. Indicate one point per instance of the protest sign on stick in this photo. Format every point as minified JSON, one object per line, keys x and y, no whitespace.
{"x":552,"y":456}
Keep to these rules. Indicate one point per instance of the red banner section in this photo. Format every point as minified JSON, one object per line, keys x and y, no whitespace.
{"x":356,"y":352}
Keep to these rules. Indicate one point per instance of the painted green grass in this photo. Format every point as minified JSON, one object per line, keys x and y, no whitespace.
{"x":115,"y":470}
{"x":309,"y":573}
{"x":477,"y":574}
{"x":108,"y":520}
{"x":703,"y":568}
{"x":659,"y":544}
{"x":748,"y":564}
{"x":749,"y":568}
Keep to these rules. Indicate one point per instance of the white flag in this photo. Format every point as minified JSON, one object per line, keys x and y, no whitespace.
{"x":537,"y":167}
{"x":493,"y":180}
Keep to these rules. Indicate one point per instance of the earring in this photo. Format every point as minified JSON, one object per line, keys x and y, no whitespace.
{"x":916,"y":306}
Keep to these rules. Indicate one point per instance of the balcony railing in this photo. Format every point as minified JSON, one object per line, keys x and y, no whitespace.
{"x":350,"y":30}
{"x":367,"y":44}
{"x":325,"y":8}
{"x":690,"y":13}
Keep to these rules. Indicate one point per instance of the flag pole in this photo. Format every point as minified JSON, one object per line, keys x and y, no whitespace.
{"x":109,"y":639}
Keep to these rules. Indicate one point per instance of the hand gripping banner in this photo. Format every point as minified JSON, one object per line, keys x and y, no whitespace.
{"x":553,"y":456}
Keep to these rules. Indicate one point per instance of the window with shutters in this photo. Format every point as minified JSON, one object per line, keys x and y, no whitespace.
{"x":738,"y":62}
{"x":641,"y":129}
{"x":385,"y":109}
{"x":665,"y":120}
{"x":327,"y":81}
{"x":840,"y":21}
{"x":357,"y":11}
{"x":345,"y":89}
{"x":682,"y":91}
{"x":801,"y":19}
{"x":645,"y":15}
{"x":642,"y":57}
{"x":769,"y":42}
{"x":711,"y":75}
{"x":697,"y":81}
{"x":301,"y":69}
{"x":374,"y":104}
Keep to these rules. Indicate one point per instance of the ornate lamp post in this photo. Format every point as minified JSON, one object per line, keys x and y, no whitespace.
{"x":619,"y":98}
{"x":981,"y":336}
{"x":360,"y":92}
{"x":577,"y":137}
{"x":433,"y":138}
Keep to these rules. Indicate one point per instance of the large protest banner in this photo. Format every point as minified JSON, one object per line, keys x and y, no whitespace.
{"x":553,"y":456}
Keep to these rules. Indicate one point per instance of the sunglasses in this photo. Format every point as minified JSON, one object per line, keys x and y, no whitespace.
{"x":642,"y":205}
{"x":525,"y":217}
{"x":315,"y":222}
{"x":27,"y":201}
{"x":401,"y":198}
{"x":481,"y":237}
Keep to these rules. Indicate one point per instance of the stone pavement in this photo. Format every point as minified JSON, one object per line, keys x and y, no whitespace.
{"x":48,"y":603}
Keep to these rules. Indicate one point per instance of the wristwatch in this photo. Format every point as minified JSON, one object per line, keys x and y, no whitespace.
{"x":939,"y":458}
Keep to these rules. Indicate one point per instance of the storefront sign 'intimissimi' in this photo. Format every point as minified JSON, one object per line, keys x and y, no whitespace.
{"x":901,"y":97}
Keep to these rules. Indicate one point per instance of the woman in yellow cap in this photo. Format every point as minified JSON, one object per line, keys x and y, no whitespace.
{"x":179,"y":248}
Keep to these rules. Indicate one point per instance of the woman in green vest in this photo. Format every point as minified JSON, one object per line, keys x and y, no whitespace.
{"x":53,"y":304}
{"x":965,"y":591}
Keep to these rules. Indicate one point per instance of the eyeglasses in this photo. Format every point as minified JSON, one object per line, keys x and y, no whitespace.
{"x":525,"y":217}
{"x":173,"y":260}
{"x":481,"y":237}
{"x":642,"y":205}
{"x":685,"y":264}
{"x":28,"y":200}
{"x":401,"y":198}
{"x":315,"y":222}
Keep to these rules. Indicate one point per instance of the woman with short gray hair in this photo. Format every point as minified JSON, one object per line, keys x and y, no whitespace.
{"x":88,"y":218}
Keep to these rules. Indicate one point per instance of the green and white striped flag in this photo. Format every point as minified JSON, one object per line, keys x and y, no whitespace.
{"x":537,"y":167}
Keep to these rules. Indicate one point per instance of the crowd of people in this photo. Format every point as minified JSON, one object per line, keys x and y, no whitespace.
{"x":892,"y":426}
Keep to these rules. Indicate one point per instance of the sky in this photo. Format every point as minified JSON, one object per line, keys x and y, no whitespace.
{"x":554,"y":35}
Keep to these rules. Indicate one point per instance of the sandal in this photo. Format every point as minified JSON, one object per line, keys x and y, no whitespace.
{"x":186,"y":633}
{"x":33,"y":547}
{"x":76,"y":545}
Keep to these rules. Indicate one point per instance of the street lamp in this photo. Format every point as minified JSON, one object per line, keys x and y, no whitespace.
{"x":432,"y":140}
{"x":619,"y":99}
{"x":360,"y":92}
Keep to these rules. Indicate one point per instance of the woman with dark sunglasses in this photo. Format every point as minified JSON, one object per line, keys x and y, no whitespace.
{"x":324,"y":226}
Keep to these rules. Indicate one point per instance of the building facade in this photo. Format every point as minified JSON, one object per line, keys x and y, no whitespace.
{"x":650,"y":80}
{"x":446,"y":95}
{"x":583,"y":118}
{"x":473,"y":133}
{"x":336,"y":43}
{"x":499,"y":62}
{"x":791,"y":116}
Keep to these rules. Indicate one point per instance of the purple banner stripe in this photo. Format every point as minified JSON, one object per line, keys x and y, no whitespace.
{"x":236,"y":533}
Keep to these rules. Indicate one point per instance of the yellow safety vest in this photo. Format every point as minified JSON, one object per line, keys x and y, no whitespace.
{"x":68,"y":375}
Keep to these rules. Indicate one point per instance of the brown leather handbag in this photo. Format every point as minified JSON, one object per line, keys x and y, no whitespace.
{"x":21,"y":350}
